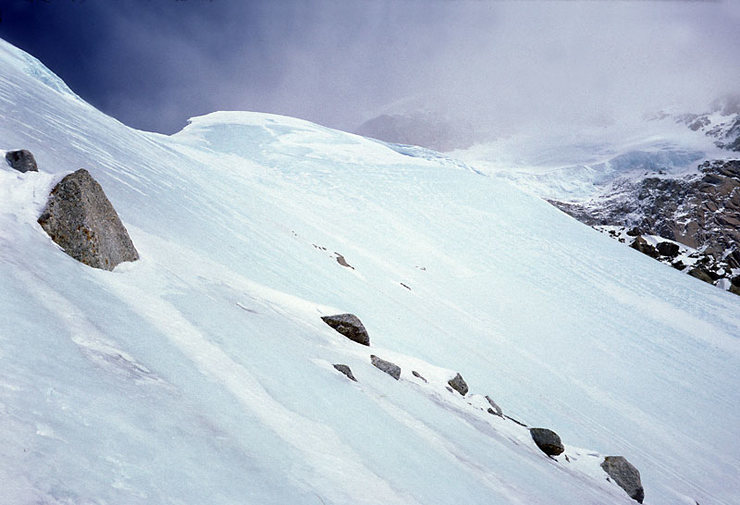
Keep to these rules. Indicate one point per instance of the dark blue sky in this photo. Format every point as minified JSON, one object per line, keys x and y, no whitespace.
{"x":154,"y":63}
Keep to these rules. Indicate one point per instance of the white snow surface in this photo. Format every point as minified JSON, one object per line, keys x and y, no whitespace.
{"x":202,"y":373}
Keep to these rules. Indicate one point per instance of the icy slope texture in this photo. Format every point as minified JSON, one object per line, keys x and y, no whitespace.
{"x":202,"y":373}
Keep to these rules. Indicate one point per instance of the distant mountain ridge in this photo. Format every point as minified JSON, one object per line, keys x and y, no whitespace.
{"x":722,"y":122}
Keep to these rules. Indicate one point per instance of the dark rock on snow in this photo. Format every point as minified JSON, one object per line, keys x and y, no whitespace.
{"x":640,"y":244}
{"x":547,"y":440}
{"x":668,"y":249}
{"x":345,"y":370}
{"x":625,"y":475}
{"x":495,"y":409}
{"x":458,"y":384}
{"x":81,"y":220}
{"x":350,"y":326}
{"x":515,"y":421}
{"x":342,"y":261}
{"x":390,"y":368}
{"x":701,"y":274}
{"x":417,"y":374}
{"x":22,"y":160}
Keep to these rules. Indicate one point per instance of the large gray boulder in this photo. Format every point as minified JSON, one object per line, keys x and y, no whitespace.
{"x":547,"y":440}
{"x":458,"y":384}
{"x":625,"y":475}
{"x":390,"y":368}
{"x":22,"y":160}
{"x":350,"y":326}
{"x":81,"y":220}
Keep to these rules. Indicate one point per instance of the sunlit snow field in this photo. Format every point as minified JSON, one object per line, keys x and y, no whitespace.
{"x":202,"y":373}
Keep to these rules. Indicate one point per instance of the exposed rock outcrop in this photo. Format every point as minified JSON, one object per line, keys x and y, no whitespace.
{"x":625,"y":475}
{"x":81,"y":220}
{"x":345,"y":370}
{"x":458,"y":384}
{"x":390,"y":368}
{"x":21,"y":160}
{"x":702,"y":274}
{"x":700,"y":211}
{"x":547,"y":440}
{"x":667,"y":249}
{"x":350,"y":326}
{"x":640,"y":244}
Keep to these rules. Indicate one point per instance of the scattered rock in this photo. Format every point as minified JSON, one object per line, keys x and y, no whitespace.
{"x":80,"y":218}
{"x":495,"y":409}
{"x":458,"y":384}
{"x":417,"y":374}
{"x":345,"y":370}
{"x":678,"y":265}
{"x":701,"y":274}
{"x":390,"y":368}
{"x":547,"y":440}
{"x":634,"y":232}
{"x":667,"y":249}
{"x":22,"y":160}
{"x":625,"y":475}
{"x":640,"y":244}
{"x":350,"y":326}
{"x":342,"y":261}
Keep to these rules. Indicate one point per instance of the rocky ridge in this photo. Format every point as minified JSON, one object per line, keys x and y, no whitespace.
{"x":722,"y":122}
{"x":698,"y":213}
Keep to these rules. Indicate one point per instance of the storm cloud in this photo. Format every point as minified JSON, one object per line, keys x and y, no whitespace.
{"x":154,"y":63}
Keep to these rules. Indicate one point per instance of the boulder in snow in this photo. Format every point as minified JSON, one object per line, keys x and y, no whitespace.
{"x":640,"y":244}
{"x":547,"y":440}
{"x":21,"y":160}
{"x":702,"y":274}
{"x":667,"y":249}
{"x":458,"y":384}
{"x":390,"y":368}
{"x":350,"y":326}
{"x":345,"y":370}
{"x":81,"y":220}
{"x":625,"y":475}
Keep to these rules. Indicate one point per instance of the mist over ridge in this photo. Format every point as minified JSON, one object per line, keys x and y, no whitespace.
{"x":494,"y":65}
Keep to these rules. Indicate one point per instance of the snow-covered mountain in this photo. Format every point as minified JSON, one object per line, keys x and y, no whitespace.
{"x":667,"y":175}
{"x":203,"y":372}
{"x":721,"y":123}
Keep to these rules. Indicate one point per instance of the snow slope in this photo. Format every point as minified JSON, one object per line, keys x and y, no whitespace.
{"x":202,"y":372}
